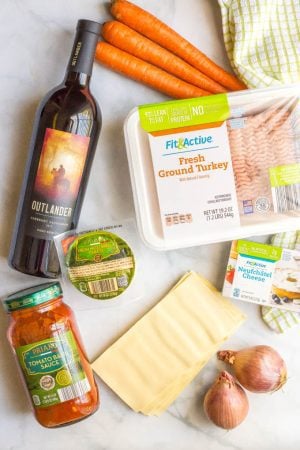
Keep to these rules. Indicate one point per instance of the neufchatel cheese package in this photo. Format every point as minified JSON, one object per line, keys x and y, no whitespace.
{"x":216,"y":168}
{"x":264,"y":274}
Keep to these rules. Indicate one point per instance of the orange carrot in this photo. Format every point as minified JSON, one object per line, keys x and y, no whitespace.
{"x":144,"y":72}
{"x":148,"y":25}
{"x":123,"y":37}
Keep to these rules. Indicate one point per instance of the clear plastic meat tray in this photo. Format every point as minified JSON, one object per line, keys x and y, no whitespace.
{"x":215,"y":168}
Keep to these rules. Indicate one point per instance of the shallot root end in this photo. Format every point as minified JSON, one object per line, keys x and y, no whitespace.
{"x":227,"y":356}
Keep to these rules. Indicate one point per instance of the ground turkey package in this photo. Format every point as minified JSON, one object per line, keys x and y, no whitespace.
{"x":216,"y":168}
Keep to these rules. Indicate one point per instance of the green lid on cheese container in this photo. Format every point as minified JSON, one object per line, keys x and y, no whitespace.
{"x":100,"y":264}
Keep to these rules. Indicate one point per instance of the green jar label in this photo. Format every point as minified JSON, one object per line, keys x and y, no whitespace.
{"x":51,"y":361}
{"x":52,"y":370}
{"x":100,"y":264}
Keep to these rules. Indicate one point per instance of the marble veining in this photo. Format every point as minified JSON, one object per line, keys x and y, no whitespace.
{"x":35,"y":41}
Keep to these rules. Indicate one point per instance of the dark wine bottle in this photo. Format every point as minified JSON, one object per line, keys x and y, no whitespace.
{"x":65,"y":134}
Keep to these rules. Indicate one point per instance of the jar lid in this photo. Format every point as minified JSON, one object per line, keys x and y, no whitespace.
{"x":33,"y":296}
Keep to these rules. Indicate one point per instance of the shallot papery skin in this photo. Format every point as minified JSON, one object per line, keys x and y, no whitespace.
{"x":226,"y":403}
{"x":259,"y":369}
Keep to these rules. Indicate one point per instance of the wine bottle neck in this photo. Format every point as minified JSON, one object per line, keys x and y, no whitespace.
{"x":77,"y":78}
{"x":79,"y":69}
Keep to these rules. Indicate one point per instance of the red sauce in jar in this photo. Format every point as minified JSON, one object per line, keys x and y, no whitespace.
{"x":45,"y":339}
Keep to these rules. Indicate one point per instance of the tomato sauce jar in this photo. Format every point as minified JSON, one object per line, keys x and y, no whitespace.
{"x":46,"y":342}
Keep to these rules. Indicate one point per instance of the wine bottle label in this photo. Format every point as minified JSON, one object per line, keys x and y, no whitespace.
{"x":56,"y":183}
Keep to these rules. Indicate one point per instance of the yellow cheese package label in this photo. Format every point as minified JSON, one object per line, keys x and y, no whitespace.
{"x":160,"y":355}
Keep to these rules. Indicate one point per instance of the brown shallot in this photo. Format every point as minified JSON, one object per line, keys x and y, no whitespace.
{"x":258,"y":369}
{"x":226,"y":403}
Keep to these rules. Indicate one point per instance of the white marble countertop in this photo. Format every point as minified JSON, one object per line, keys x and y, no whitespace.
{"x":35,"y":41}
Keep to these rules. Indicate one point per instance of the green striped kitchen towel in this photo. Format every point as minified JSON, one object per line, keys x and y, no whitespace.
{"x":289,"y":239}
{"x":276,"y":319}
{"x":279,"y":320}
{"x":262,"y":39}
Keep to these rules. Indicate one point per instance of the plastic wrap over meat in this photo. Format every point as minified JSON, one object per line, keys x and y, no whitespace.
{"x":259,"y":142}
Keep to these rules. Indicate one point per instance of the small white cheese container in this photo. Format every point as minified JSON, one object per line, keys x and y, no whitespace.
{"x":149,"y":219}
{"x":263,"y":274}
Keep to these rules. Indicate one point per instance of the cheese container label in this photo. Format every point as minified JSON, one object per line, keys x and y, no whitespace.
{"x":264,"y":274}
{"x":100,"y":264}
